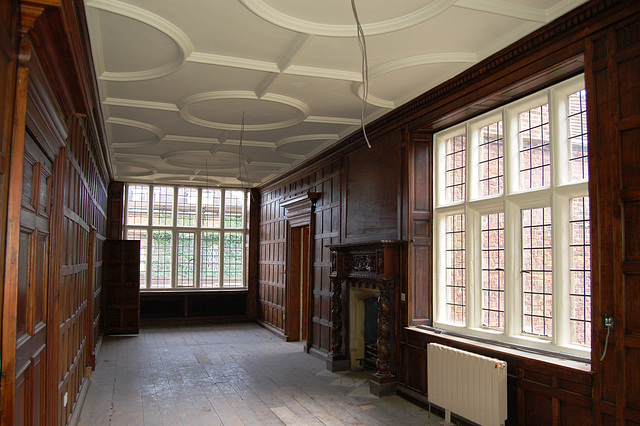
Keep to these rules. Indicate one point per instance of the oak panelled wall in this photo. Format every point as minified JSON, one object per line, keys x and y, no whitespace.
{"x":358,"y":201}
{"x":83,"y":228}
{"x":325,"y":180}
{"x":54,"y":224}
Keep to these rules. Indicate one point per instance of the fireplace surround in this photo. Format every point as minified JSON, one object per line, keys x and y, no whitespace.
{"x":360,"y":271}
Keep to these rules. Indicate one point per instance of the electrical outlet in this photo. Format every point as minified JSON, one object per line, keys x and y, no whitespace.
{"x":608,"y":322}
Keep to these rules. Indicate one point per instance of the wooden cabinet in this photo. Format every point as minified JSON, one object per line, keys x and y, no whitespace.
{"x":122,"y":286}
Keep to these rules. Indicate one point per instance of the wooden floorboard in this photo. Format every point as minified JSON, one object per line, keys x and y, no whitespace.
{"x":230,"y":374}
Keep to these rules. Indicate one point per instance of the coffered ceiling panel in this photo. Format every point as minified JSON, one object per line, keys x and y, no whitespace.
{"x":236,"y":92}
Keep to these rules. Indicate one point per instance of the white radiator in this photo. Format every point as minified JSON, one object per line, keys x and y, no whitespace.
{"x":469,"y":385}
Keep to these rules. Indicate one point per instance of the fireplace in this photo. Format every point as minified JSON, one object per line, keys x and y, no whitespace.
{"x":363,"y":328}
{"x":360,"y":272}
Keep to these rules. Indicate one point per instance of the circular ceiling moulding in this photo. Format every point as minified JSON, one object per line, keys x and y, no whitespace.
{"x":383,"y":26}
{"x":203,"y":159}
{"x":182,"y":42}
{"x":158,"y":133}
{"x":245,"y":179}
{"x":133,"y":170}
{"x":186,"y":180}
{"x":404,"y":63}
{"x":259,"y":112}
{"x":282,"y":143}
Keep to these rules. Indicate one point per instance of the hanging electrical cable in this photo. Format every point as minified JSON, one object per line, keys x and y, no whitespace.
{"x":242,"y":165}
{"x":365,"y":69}
{"x":240,"y":153}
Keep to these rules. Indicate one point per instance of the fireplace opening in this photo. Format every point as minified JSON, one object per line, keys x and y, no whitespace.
{"x":368,"y":362}
{"x":363,"y":328}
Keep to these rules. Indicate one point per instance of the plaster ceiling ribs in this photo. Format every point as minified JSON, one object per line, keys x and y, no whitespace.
{"x":174,"y":93}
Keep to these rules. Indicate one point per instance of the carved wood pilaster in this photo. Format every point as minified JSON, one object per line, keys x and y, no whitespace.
{"x":336,"y":317}
{"x":384,"y":329}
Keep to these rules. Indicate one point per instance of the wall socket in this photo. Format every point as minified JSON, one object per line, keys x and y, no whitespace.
{"x":608,"y":322}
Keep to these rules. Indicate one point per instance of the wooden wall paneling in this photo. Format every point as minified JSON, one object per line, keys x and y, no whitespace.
{"x":48,"y":88}
{"x":253,"y":258}
{"x":122,"y":286}
{"x":420,"y":225}
{"x":10,"y":278}
{"x":9,"y":39}
{"x":615,"y":57}
{"x":84,"y":224}
{"x":370,"y":211}
{"x":32,"y":325}
{"x":115,"y":211}
{"x":53,"y":305}
{"x":324,"y":179}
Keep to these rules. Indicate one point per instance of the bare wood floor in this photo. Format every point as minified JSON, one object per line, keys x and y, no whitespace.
{"x":236,"y":374}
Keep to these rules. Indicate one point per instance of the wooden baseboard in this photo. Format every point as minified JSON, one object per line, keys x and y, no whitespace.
{"x":272,"y":329}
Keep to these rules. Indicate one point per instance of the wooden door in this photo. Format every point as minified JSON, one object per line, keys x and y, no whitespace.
{"x":33,"y":274}
{"x":298,"y":285}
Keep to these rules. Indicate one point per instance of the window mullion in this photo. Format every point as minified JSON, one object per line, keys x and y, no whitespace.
{"x":512,"y":269}
{"x":474,"y":268}
{"x":196,"y":248}
{"x":223,"y":197}
{"x":513,"y":299}
{"x":560,"y":216}
{"x":561,"y":276}
{"x":174,"y":241}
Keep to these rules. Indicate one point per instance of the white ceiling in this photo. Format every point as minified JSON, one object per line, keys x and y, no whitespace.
{"x":176,"y":76}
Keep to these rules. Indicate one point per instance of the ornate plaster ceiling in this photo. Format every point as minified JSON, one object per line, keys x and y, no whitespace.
{"x":177,"y":78}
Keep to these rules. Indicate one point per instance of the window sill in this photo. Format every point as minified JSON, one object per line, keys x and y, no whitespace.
{"x":193,"y":291}
{"x":557,"y":359}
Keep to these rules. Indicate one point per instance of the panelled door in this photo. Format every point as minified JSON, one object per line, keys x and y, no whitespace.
{"x":33,"y":276}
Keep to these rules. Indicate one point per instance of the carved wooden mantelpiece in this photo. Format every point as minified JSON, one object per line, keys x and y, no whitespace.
{"x":373,"y":265}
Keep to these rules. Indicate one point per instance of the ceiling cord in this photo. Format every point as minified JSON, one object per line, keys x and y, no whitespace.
{"x":365,"y":69}
{"x":241,"y":164}
{"x":240,"y":154}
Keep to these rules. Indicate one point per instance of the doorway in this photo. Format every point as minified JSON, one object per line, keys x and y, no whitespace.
{"x":298,"y":284}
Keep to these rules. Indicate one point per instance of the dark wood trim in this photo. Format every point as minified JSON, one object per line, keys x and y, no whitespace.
{"x":10,"y":291}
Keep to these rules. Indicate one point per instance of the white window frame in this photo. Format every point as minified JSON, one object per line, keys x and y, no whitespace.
{"x":197,"y":231}
{"x":511,"y":202}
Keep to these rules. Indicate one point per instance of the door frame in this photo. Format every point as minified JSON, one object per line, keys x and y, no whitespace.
{"x":300,"y":212}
